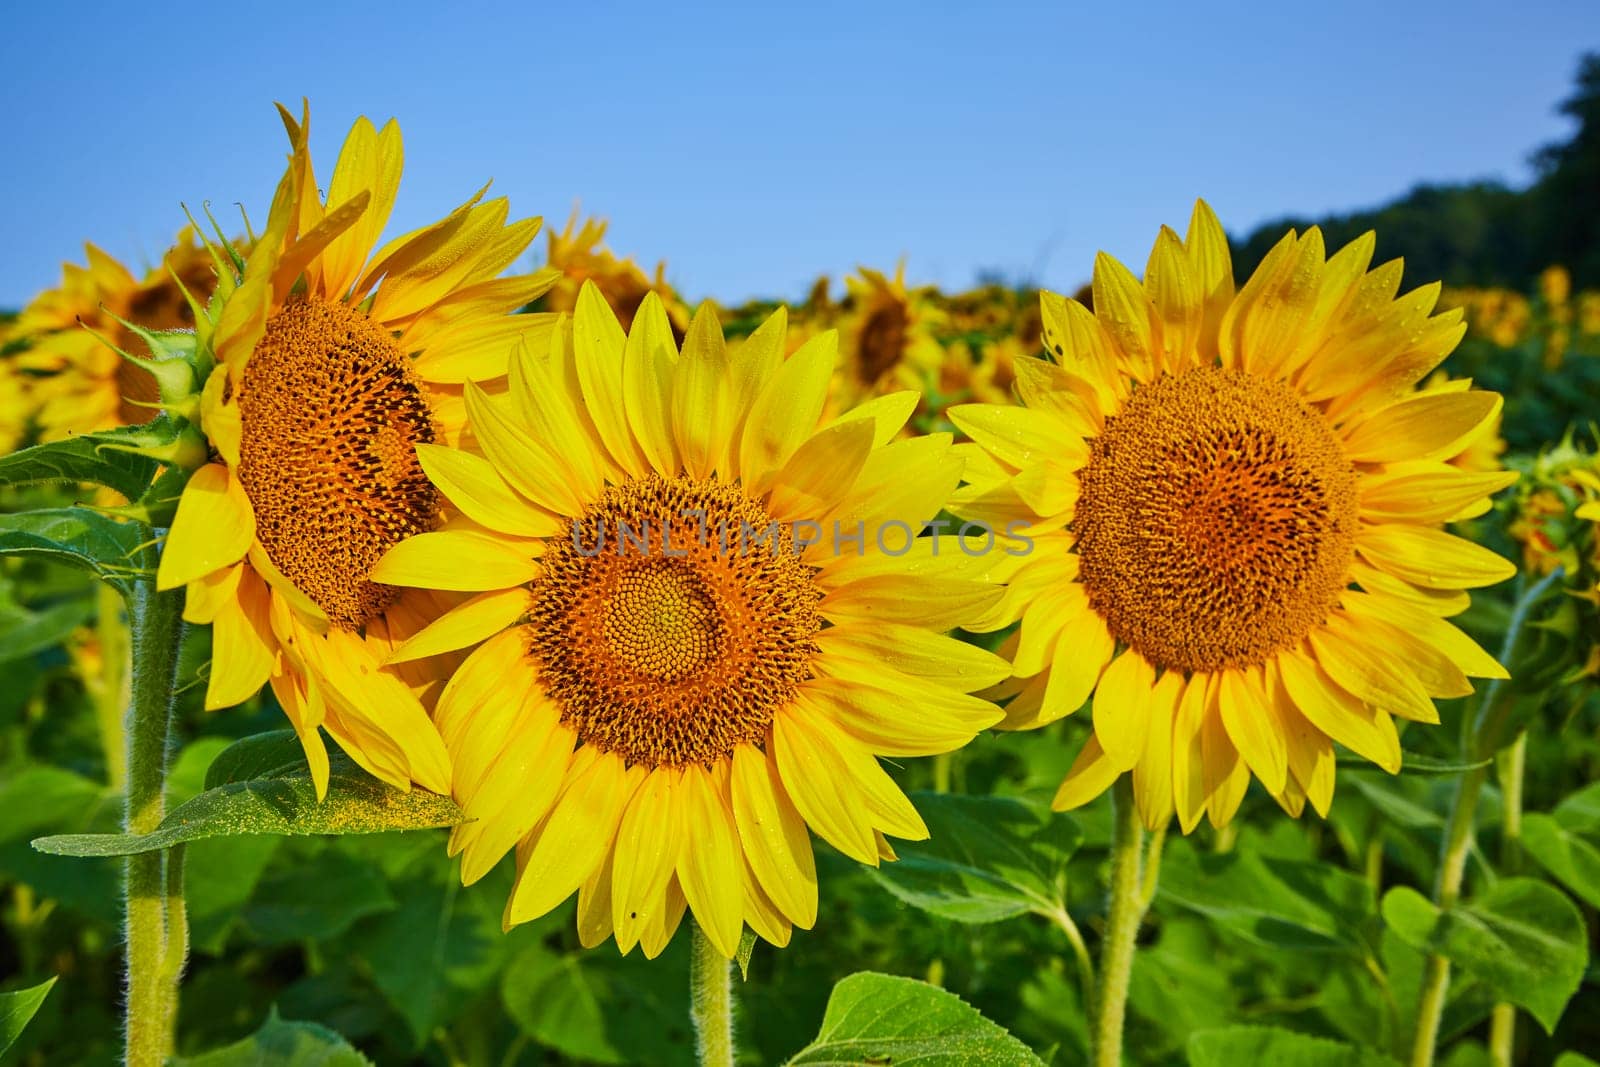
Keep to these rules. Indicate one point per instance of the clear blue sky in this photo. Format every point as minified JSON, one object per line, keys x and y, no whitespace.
{"x":753,"y":150}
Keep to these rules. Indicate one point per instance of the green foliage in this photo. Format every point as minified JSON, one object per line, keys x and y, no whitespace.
{"x":878,"y":1018}
{"x":1523,"y":939}
{"x":17,"y":1009}
{"x":277,"y":798}
{"x":985,"y":859}
{"x":78,"y":537}
{"x":280,"y":1043}
{"x":1236,"y":1045}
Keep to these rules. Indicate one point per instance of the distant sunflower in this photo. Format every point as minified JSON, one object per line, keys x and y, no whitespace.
{"x":78,"y":382}
{"x":333,"y":363}
{"x":887,"y":338}
{"x":577,"y":253}
{"x":1235,"y":501}
{"x":654,"y":724}
{"x":15,"y":406}
{"x":984,"y":372}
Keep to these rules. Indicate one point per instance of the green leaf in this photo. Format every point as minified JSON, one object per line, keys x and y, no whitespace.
{"x":747,"y":948}
{"x":78,"y":537}
{"x":985,"y":859}
{"x":282,"y":1043}
{"x":879,"y":1018}
{"x":1415,"y":763}
{"x":274,"y":754}
{"x":1273,"y":902}
{"x":24,"y":631}
{"x":1571,"y":860}
{"x":282,"y":801}
{"x":1234,"y":1045}
{"x":78,"y":460}
{"x":601,"y":1007}
{"x":16,"y":1010}
{"x":1523,"y":939}
{"x":1580,"y":812}
{"x":316,"y":900}
{"x":1574,"y":1059}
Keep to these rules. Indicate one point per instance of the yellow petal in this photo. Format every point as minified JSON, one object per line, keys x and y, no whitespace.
{"x":1152,"y":775}
{"x":649,"y":839}
{"x":1252,"y":729}
{"x":572,"y":841}
{"x":213,"y":528}
{"x":1366,"y":731}
{"x":598,"y":341}
{"x":785,"y":412}
{"x":1121,"y":708}
{"x":1422,"y":427}
{"x":710,"y":867}
{"x":476,"y":488}
{"x":1091,"y":774}
{"x":774,"y":836}
{"x":702,"y":396}
{"x":466,"y":624}
{"x":1188,"y":753}
{"x":462,"y":560}
{"x":243,"y":648}
{"x":1431,"y":558}
{"x":648,"y":357}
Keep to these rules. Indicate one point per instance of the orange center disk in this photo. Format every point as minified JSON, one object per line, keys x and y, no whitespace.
{"x":331,"y":414}
{"x":667,"y":629}
{"x":1217,"y":520}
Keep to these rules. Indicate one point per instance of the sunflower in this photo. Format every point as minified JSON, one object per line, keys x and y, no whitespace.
{"x":887,"y":337}
{"x":983,"y":372}
{"x":15,"y":407}
{"x":332,"y":364}
{"x":674,"y":683}
{"x":78,"y":381}
{"x":578,"y":254}
{"x":1234,"y":501}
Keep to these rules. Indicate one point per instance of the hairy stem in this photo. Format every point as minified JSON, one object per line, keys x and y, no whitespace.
{"x":155,"y":620}
{"x":1126,"y":909}
{"x":711,"y":1002}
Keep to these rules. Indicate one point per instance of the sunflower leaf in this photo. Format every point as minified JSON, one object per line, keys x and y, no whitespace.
{"x":1523,"y":939}
{"x":16,"y":1011}
{"x":986,"y":859}
{"x":78,"y":537}
{"x":1270,"y":1044}
{"x":1571,"y":860}
{"x":282,"y":1043}
{"x":1416,"y":763}
{"x":880,"y":1018}
{"x":278,"y":799}
{"x":95,"y":459}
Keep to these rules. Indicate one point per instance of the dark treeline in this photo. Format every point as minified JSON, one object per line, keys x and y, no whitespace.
{"x":1484,"y":233}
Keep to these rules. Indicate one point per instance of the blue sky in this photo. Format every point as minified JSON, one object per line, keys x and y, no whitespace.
{"x":753,"y":149}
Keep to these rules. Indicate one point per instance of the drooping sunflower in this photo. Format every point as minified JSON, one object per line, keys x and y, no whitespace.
{"x":78,"y":382}
{"x":887,"y":338}
{"x":333,"y":362}
{"x":673,"y":683}
{"x":1235,"y":503}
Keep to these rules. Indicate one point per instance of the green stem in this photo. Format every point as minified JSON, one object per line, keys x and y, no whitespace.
{"x":941,"y":773}
{"x":110,"y":690}
{"x":1512,"y":764}
{"x":1080,"y":952}
{"x":1126,"y":909}
{"x":155,"y":620}
{"x":1458,"y":831}
{"x":711,"y":1001}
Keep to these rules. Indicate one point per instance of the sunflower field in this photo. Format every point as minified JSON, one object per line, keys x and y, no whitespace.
{"x":459,"y":648}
